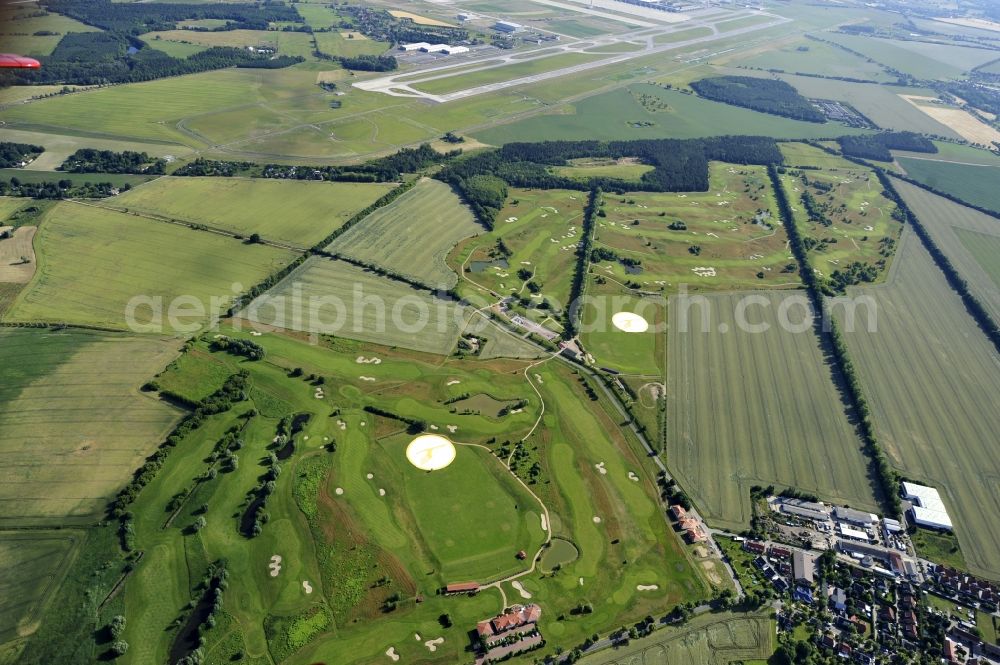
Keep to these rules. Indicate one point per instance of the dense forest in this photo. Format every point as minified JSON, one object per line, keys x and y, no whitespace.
{"x":369,"y":63}
{"x":136,"y":18}
{"x":89,"y":160}
{"x":759,"y":94}
{"x":680,"y":165}
{"x":877,"y":146}
{"x":62,"y":189}
{"x":13,"y":155}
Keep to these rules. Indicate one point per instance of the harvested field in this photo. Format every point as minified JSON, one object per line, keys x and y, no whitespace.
{"x":297,"y":212}
{"x":968,"y":126}
{"x":418,"y":19}
{"x":753,"y":406}
{"x":966,"y":236}
{"x":364,"y":306}
{"x":17,"y":256}
{"x":73,"y":424}
{"x":92,"y":262}
{"x":413,"y":235}
{"x":931,"y":378}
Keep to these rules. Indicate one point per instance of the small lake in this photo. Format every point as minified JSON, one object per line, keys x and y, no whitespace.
{"x":483,"y":266}
{"x":559,"y":553}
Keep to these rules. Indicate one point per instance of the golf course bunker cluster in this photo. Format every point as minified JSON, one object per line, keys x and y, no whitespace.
{"x":430,"y":452}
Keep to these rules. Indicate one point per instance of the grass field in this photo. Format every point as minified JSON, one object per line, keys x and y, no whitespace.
{"x":176,"y":49}
{"x":19,"y":27}
{"x":716,"y":639}
{"x":364,"y":306}
{"x":361,"y":526}
{"x":413,"y":235}
{"x":968,"y":238}
{"x":930,"y":377}
{"x":335,"y":43}
{"x":293,"y":211}
{"x":741,"y":412}
{"x":880,"y":104}
{"x":585,"y":169}
{"x":814,"y":57}
{"x":73,"y":425}
{"x":975,"y":184}
{"x":613,"y":115}
{"x":32,"y":564}
{"x":58,"y":146}
{"x":286,"y":43}
{"x":91,"y":262}
{"x":919,"y":59}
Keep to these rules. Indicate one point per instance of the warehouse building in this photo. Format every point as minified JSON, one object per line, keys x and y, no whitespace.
{"x":857,"y":517}
{"x":508,"y":27}
{"x":928,"y":509}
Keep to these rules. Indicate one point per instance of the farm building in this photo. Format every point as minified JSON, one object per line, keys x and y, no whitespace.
{"x":852,"y":516}
{"x":508,"y":27}
{"x":928,"y":509}
{"x":803,"y":567}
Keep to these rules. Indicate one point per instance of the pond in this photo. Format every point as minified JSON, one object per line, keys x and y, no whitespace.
{"x":559,"y":553}
{"x":483,"y":266}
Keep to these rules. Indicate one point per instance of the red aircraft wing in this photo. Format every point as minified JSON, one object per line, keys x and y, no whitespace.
{"x":13,"y":61}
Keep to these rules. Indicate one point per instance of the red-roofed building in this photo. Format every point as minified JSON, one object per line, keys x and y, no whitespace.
{"x":678,"y":512}
{"x":516,"y":620}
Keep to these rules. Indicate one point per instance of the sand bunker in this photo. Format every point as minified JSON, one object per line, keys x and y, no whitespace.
{"x":581,"y":581}
{"x":597,"y":520}
{"x":545,"y":523}
{"x":452,"y":428}
{"x":306,"y":586}
{"x":631,"y":476}
{"x":370,"y":476}
{"x":600,"y":467}
{"x":339,"y":491}
{"x":361,"y":360}
{"x":432,"y":645}
{"x":391,"y":652}
{"x":341,"y":424}
{"x":454,"y":382}
{"x":629,"y":322}
{"x":381,"y":492}
{"x":647,"y":587}
{"x":520,"y":589}
{"x":367,"y":378}
{"x":430,"y":452}
{"x":275,"y":565}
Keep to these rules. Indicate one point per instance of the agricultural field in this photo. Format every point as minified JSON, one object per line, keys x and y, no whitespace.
{"x":341,"y":299}
{"x":298,"y":212}
{"x":972,"y":183}
{"x":92,"y":262}
{"x":708,"y":639}
{"x":413,"y":235}
{"x":815,"y":57}
{"x":881,"y":104}
{"x":74,"y":425}
{"x":393,"y":526}
{"x":619,"y":114}
{"x":853,"y":221}
{"x":751,"y":401}
{"x":540,"y":229}
{"x":922,"y":60}
{"x":930,"y":377}
{"x":968,"y":238}
{"x":348,"y":44}
{"x":18,"y":27}
{"x":176,"y":49}
{"x":32,"y":565}
{"x":724,"y":239}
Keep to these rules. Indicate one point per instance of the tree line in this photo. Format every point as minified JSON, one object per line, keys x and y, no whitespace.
{"x":829,"y":332}
{"x":759,"y":94}
{"x":59,"y":189}
{"x":877,"y":146}
{"x":571,"y":322}
{"x":13,"y":155}
{"x":89,"y":160}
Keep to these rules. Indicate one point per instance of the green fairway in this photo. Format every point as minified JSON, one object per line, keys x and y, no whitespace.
{"x":92,"y":262}
{"x":748,"y":405}
{"x":73,"y":425}
{"x":618,"y":114}
{"x":361,"y":305}
{"x":413,"y":235}
{"x":975,"y":184}
{"x":297,"y":212}
{"x":929,"y":375}
{"x":967,"y":237}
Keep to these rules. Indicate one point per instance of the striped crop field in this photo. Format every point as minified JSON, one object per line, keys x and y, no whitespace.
{"x":932,"y":380}
{"x":413,"y":235}
{"x":756,"y":408}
